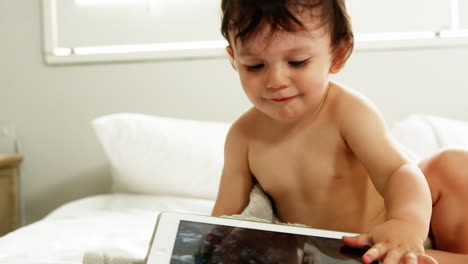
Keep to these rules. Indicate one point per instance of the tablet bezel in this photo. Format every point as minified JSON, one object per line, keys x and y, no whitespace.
{"x":165,"y":231}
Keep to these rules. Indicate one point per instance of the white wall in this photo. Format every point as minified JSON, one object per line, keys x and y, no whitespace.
{"x":432,"y":81}
{"x":52,"y":107}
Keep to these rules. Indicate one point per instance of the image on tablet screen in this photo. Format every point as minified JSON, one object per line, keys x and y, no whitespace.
{"x":201,"y":243}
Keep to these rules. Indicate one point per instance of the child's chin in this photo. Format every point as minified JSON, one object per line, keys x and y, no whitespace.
{"x":283,"y":115}
{"x":288,"y":117}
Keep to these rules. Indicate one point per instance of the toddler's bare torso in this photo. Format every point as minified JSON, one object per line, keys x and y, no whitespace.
{"x":311,"y":174}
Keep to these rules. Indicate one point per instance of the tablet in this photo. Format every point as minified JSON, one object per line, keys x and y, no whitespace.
{"x":186,"y":238}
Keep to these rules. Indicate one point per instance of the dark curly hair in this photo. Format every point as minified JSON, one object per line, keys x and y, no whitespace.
{"x":246,"y":18}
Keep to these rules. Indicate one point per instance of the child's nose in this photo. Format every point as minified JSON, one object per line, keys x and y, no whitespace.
{"x":276,"y":78}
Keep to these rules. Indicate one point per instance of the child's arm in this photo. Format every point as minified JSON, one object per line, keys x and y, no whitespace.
{"x":236,"y":179}
{"x":401,"y":183}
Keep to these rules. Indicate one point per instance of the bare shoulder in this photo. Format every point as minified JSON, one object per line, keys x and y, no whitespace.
{"x":365,"y":132}
{"x":352,"y":108}
{"x":244,"y":126}
{"x":240,"y":135}
{"x":350,"y":101}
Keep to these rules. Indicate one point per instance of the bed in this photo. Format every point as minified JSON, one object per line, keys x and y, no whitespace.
{"x":164,"y":164}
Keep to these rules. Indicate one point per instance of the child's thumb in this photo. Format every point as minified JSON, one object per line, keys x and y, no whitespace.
{"x":360,"y":241}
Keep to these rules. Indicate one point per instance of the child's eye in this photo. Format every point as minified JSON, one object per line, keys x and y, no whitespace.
{"x":298,"y":63}
{"x":255,"y":67}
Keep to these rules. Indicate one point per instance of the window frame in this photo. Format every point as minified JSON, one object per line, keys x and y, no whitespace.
{"x":55,"y":55}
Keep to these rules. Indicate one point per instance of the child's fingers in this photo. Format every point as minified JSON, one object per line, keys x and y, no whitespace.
{"x":426,"y":259}
{"x":359,"y":241}
{"x":409,"y":258}
{"x":394,"y":257}
{"x":374,"y":253}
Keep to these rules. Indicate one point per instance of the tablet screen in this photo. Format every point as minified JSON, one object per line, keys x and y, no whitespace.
{"x":202,"y":243}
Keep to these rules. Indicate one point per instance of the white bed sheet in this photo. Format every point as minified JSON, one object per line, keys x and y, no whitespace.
{"x":119,"y":221}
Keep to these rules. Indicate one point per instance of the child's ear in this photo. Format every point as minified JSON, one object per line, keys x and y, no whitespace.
{"x":340,"y":55}
{"x":230,"y":52}
{"x":231,"y":56}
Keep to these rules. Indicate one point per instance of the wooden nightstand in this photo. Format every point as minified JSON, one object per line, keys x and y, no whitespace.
{"x":9,"y":205}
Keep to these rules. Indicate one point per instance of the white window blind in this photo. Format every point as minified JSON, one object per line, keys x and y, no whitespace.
{"x":376,"y":16}
{"x":136,"y":22}
{"x":110,"y":30}
{"x":117,"y":30}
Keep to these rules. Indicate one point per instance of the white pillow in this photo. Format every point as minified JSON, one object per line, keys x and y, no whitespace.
{"x":168,"y":156}
{"x":424,"y":135}
{"x":416,"y":135}
{"x":450,"y":133}
{"x":163,"y":156}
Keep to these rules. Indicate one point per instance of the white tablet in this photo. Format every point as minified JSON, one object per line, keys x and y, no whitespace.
{"x":186,"y":238}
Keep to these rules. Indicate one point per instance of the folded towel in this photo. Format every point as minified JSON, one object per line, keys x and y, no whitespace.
{"x":258,"y":209}
{"x":111,"y":256}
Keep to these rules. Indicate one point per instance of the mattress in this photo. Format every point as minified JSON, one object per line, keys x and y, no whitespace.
{"x":122,"y":221}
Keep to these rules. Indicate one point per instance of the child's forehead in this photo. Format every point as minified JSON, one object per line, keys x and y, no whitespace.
{"x":313,"y":34}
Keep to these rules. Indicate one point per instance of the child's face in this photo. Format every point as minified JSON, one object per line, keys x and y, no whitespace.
{"x":285,"y":76}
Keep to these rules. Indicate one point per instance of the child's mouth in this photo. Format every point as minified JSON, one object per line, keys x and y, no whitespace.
{"x":285,"y":99}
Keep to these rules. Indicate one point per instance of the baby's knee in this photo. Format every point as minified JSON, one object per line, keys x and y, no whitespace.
{"x":447,"y":169}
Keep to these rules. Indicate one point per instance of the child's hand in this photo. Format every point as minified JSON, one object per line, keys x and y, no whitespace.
{"x":393,"y":242}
